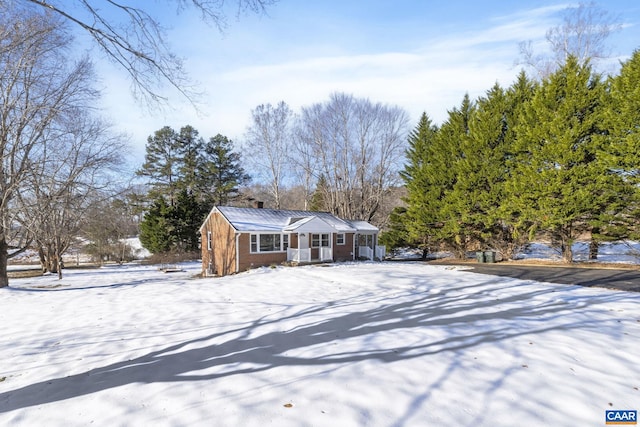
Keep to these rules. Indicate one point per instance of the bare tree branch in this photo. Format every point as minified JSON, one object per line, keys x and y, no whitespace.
{"x":583,"y":33}
{"x":136,"y":42}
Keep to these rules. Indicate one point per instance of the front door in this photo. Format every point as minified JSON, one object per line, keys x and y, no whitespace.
{"x":303,"y":241}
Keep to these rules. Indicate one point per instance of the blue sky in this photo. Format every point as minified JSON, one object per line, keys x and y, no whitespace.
{"x":419,"y":55}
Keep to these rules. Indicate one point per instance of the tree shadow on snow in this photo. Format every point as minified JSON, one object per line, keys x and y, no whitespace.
{"x":462,"y":310}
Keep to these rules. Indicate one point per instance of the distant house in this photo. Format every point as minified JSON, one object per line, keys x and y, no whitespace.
{"x":236,"y":239}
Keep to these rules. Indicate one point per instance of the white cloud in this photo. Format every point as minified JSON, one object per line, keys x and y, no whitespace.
{"x":433,"y":77}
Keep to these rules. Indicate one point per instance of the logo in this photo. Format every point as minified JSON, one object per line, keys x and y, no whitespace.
{"x":621,"y":417}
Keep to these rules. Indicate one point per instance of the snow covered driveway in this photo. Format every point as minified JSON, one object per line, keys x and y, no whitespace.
{"x":364,"y":344}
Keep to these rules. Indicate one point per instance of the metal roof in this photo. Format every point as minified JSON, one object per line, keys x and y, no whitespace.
{"x":276,"y":220}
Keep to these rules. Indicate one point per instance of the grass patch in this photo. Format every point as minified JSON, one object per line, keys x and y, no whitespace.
{"x":26,"y":273}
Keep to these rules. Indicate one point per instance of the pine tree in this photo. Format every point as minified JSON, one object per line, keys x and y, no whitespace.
{"x":511,"y":231}
{"x":621,"y":118}
{"x":560,"y":183}
{"x":319,"y":199}
{"x":156,"y":228}
{"x":221,"y":166}
{"x":477,"y":191}
{"x":187,"y":176}
{"x":162,"y":164}
{"x":186,"y":218}
{"x":447,"y":162}
{"x":189,"y":151}
{"x":416,"y":222}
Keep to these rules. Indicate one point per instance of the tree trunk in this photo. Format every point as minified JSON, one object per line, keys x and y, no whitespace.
{"x":43,"y":260}
{"x":567,"y":253}
{"x":58,"y":255}
{"x":594,"y":245}
{"x":4,"y":257}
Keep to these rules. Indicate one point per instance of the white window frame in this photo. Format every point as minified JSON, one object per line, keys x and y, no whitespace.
{"x":320,"y":240}
{"x":341,"y":239}
{"x":209,"y":238}
{"x":254,"y":243}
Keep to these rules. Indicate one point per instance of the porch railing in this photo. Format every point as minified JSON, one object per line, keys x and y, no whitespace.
{"x":326,"y":254}
{"x":298,"y":255}
{"x":371,"y":254}
{"x":304,"y":255}
{"x":365,"y":252}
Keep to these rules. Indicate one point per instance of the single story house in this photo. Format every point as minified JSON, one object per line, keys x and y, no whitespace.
{"x":236,"y":239}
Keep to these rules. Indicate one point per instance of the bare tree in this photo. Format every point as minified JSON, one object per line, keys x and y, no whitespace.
{"x":136,"y":41}
{"x":40,"y":89}
{"x":357,"y":147}
{"x":269,"y":140}
{"x":106,"y":225}
{"x":76,"y":171}
{"x":583,"y":34}
{"x":303,"y":162}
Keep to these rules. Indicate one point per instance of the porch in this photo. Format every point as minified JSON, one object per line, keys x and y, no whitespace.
{"x":307,"y":255}
{"x":378,"y":252}
{"x":368,"y":247}
{"x":311,"y":240}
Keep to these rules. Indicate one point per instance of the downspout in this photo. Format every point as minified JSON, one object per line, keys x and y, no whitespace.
{"x":353,"y":244}
{"x":237,"y":252}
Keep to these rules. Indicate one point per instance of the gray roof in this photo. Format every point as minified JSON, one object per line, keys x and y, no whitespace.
{"x":275,"y":220}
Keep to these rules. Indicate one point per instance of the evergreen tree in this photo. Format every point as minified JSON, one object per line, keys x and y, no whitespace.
{"x":224,"y":174}
{"x":480,"y":171}
{"x":560,"y":183}
{"x":189,"y":150}
{"x":511,"y":231}
{"x":186,"y":217}
{"x":414,"y":224}
{"x":156,"y":228}
{"x":621,"y":118}
{"x":447,"y":161}
{"x":162,"y":164}
{"x":187,"y":176}
{"x":319,"y":197}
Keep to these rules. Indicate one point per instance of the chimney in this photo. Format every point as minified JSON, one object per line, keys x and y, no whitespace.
{"x":258,"y":205}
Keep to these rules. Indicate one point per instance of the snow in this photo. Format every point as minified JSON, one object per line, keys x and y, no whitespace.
{"x":354,"y":344}
{"x":277,"y":220}
{"x":139,"y":251}
{"x":627,"y":252}
{"x":622,"y":252}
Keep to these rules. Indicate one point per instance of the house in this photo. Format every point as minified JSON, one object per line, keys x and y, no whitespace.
{"x":236,"y":239}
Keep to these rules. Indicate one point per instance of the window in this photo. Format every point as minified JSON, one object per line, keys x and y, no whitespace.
{"x":285,"y":242}
{"x":268,"y":242}
{"x":320,"y":240}
{"x":209,"y":240}
{"x":340,"y":239}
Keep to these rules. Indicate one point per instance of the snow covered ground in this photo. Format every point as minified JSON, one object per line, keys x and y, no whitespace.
{"x":623,"y":252}
{"x":364,"y":344}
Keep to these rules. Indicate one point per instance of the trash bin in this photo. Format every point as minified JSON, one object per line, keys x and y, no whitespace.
{"x":489,"y":256}
{"x":480,"y":256}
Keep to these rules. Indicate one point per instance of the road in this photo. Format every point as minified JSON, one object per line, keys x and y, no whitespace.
{"x":621,"y":279}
